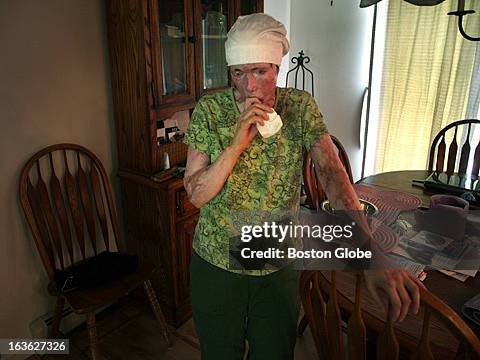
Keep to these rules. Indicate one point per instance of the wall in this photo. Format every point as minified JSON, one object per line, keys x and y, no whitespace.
{"x":280,"y":10}
{"x":54,"y":87}
{"x":337,"y":39}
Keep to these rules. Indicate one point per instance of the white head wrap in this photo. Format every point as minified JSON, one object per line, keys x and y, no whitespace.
{"x":256,"y":38}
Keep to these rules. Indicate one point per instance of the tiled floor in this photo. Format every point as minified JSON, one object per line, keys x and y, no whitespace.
{"x":129,"y":331}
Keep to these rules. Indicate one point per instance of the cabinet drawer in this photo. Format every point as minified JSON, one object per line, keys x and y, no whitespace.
{"x":183,"y":205}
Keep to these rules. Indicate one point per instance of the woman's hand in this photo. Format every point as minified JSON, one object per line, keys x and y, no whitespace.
{"x":401,"y":287}
{"x":255,"y":112}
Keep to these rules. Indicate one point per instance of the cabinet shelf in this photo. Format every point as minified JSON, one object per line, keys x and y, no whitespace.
{"x":180,"y":36}
{"x":216,"y":37}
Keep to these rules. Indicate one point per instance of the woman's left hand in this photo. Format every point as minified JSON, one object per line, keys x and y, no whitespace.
{"x":401,"y":287}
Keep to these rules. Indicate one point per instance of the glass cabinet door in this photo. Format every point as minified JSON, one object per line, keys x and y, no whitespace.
{"x":249,"y":7}
{"x":173,"y":46}
{"x":213,"y":33}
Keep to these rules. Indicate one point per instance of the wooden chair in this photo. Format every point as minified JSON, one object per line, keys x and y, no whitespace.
{"x":68,"y":204}
{"x":328,"y":311}
{"x":437,"y":154}
{"x":315,"y":192}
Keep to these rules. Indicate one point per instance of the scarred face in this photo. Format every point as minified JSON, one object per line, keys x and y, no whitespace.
{"x":256,"y":80}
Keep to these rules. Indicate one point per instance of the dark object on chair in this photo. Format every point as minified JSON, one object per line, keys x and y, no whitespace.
{"x":326,"y":309}
{"x":315,"y":192}
{"x":96,"y":271}
{"x":62,"y":188}
{"x":437,"y":154}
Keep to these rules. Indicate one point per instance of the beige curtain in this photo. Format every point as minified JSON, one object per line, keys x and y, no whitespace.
{"x":426,"y":80}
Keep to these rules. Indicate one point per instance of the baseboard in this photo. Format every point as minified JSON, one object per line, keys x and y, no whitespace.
{"x":14,"y":357}
{"x":69,"y":321}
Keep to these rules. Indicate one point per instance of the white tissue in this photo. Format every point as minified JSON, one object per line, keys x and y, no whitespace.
{"x":272,"y":125}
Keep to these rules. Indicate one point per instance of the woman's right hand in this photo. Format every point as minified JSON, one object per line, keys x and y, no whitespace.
{"x":255,"y":112}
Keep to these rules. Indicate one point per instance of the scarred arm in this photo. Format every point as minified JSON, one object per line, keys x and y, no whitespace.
{"x":400,"y":286}
{"x":334,"y":179}
{"x":204,"y":180}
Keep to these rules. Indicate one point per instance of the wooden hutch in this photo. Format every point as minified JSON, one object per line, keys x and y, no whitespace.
{"x":164,"y":55}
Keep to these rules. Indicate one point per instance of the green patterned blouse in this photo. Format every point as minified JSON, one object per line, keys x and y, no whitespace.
{"x":267,"y":175}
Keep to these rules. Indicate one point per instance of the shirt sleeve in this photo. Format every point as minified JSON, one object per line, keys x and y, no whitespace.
{"x":198,"y":133}
{"x":313,"y":126}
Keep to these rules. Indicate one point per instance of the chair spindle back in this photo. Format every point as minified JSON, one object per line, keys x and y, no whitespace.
{"x":67,"y":200}
{"x":438,"y":150}
{"x":325,"y":308}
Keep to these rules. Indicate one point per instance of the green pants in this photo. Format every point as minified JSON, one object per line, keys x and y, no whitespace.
{"x":229,"y":308}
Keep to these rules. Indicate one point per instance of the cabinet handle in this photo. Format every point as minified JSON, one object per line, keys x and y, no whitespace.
{"x":177,"y":198}
{"x":154,"y":93}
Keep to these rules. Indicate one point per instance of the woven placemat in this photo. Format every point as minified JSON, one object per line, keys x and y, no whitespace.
{"x":385,"y":238}
{"x":390,"y":204}
{"x":398,"y":200}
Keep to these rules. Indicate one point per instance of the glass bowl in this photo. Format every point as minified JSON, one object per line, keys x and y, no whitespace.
{"x":368,"y":208}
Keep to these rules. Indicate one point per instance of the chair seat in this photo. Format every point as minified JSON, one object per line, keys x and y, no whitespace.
{"x":83,"y":301}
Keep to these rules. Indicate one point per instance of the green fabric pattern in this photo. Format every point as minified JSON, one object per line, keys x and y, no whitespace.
{"x":267,"y":175}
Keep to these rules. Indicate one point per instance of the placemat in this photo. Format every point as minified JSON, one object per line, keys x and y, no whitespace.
{"x":389,"y":203}
{"x":385,"y":238}
{"x":392,"y":199}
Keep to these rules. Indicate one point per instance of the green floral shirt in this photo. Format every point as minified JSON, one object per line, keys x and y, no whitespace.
{"x":267,"y":175}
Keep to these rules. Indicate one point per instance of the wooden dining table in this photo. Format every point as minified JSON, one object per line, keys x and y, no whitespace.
{"x":453,"y":292}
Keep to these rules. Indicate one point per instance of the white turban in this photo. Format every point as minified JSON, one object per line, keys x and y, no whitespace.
{"x":256,"y":38}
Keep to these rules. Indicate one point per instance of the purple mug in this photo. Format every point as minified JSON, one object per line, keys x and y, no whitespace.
{"x":447,"y":216}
